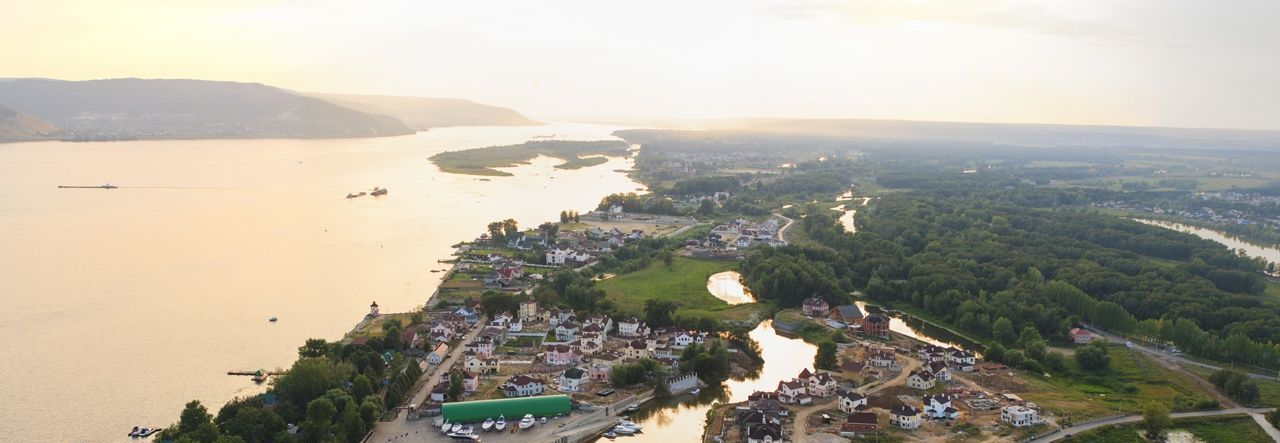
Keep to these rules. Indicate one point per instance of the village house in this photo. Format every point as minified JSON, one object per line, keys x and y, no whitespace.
{"x":876,"y":325}
{"x":905,"y":417}
{"x":1020,"y":416}
{"x":599,"y":324}
{"x":932,"y":353}
{"x":573,"y":380}
{"x":515,"y":326}
{"x":638,"y":348}
{"x":566,"y":331}
{"x":939,"y":407}
{"x":859,"y":423}
{"x":1080,"y":336}
{"x":852,"y":368}
{"x":921,"y":380}
{"x":847,"y":314}
{"x":528,"y":310}
{"x":939,"y":371}
{"x":962,"y":360}
{"x":793,"y":392}
{"x":482,"y":345}
{"x":632,"y":328}
{"x":480,"y":365}
{"x":438,"y":354}
{"x":561,"y":355}
{"x":851,"y":401}
{"x":883,"y":359}
{"x":815,"y":307}
{"x":522,"y":386}
{"x":470,"y":381}
{"x":557,"y":256}
{"x":822,"y":385}
{"x":764,"y":433}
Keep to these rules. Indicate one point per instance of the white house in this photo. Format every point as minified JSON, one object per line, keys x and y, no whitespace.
{"x":962,"y":360}
{"x":437,"y":355}
{"x":905,"y":417}
{"x":883,"y":359}
{"x":939,"y":407}
{"x":632,"y":328}
{"x":1020,"y":416}
{"x":566,"y":331}
{"x":522,"y":386}
{"x":1080,"y":336}
{"x":822,"y":385}
{"x":850,"y":401}
{"x":557,"y":256}
{"x":921,"y":380}
{"x":940,"y":371}
{"x":573,"y":380}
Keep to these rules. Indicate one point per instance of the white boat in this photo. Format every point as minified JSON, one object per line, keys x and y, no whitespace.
{"x":488,"y":424}
{"x":630,"y":424}
{"x":456,"y":427}
{"x":695,"y":391}
{"x":526,"y":422}
{"x":610,"y":435}
{"x":501,"y":424}
{"x":633,"y":407}
{"x":624,"y":430}
{"x":445,"y":427}
{"x":463,"y":436}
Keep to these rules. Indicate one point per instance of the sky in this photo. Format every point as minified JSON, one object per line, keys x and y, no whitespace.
{"x":1184,"y":63}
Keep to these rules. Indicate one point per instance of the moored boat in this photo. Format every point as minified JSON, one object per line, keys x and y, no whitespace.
{"x":134,"y":432}
{"x":456,"y":427}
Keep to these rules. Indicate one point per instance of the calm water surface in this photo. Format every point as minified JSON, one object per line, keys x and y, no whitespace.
{"x":682,"y":419}
{"x":728,"y":286}
{"x":119,"y":306}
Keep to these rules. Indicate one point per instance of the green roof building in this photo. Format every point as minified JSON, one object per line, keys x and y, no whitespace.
{"x":511,"y":408}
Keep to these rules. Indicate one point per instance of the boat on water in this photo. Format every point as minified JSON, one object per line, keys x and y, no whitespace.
{"x":633,"y":407}
{"x":630,"y":424}
{"x":610,"y":435}
{"x":134,"y":432}
{"x":147,"y":432}
{"x":377,"y":191}
{"x":526,"y":422}
{"x":487,"y":425}
{"x":695,"y":391}
{"x":362,"y":194}
{"x":108,"y":186}
{"x":624,"y":430}
{"x":273,"y":319}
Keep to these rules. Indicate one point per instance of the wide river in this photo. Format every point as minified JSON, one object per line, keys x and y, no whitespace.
{"x":119,"y":306}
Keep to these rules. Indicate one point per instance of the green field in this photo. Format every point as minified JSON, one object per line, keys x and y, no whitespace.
{"x":1268,"y":390}
{"x":481,"y":161}
{"x":684,"y":283}
{"x":1224,"y":429}
{"x":1132,"y":381}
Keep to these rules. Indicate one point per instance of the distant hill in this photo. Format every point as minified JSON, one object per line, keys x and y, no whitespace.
{"x":425,"y":112}
{"x":138,"y":108}
{"x":1004,"y":133}
{"x":15,"y":126}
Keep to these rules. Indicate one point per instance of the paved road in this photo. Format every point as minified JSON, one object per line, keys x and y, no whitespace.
{"x":1059,"y":435}
{"x":1171,"y":357}
{"x":1266,"y":425}
{"x":382,"y":431}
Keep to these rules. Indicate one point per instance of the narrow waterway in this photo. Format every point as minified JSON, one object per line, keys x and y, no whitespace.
{"x":1271,"y":254}
{"x":921,"y":330}
{"x":683,"y":417}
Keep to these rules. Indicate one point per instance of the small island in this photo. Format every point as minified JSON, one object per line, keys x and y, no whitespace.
{"x":482,"y":161}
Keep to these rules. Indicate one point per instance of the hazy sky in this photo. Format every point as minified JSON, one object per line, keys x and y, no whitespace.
{"x":1140,"y":62}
